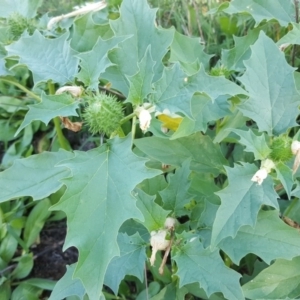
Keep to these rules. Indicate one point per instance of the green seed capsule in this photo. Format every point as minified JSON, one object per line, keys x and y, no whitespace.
{"x":103,"y":114}
{"x":281,"y":149}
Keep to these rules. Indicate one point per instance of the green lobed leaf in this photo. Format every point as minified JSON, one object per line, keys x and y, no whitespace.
{"x":86,"y":33}
{"x":279,"y":281}
{"x":274,"y":99}
{"x":51,"y":106}
{"x":203,"y":111}
{"x":68,"y":286}
{"x":141,"y":82}
{"x":175,"y":152}
{"x":292,"y":37}
{"x":283,"y":11}
{"x":256,"y":144}
{"x":270,"y":239}
{"x":97,"y":201}
{"x":136,"y":18}
{"x":241,"y":201}
{"x":48,"y":59}
{"x":27,"y":8}
{"x":196,"y":264}
{"x":36,"y":176}
{"x":154,"y":215}
{"x":187,"y":50}
{"x":233,"y":59}
{"x":130,"y":262}
{"x":94,"y":63}
{"x":285,"y":175}
{"x":175,"y":196}
{"x":174,"y":90}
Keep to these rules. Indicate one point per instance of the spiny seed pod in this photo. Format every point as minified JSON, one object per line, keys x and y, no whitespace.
{"x":281,"y":149}
{"x":17,"y":25}
{"x":103,"y":114}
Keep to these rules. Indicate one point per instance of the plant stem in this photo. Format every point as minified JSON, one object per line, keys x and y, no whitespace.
{"x":61,"y":138}
{"x":24,"y":89}
{"x":296,"y":2}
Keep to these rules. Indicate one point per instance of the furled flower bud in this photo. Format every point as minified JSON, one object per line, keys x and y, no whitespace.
{"x":295,"y":147}
{"x":259,"y":176}
{"x":75,"y":91}
{"x":158,"y":242}
{"x":170,"y":223}
{"x":145,"y":119}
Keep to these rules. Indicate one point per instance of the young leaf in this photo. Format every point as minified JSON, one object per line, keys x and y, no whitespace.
{"x":274,"y":99}
{"x":175,"y":196}
{"x":256,"y":144}
{"x":94,"y":63}
{"x":130,"y":262}
{"x":136,"y":18}
{"x":36,"y":176}
{"x":283,"y":11}
{"x":205,"y":156}
{"x":270,"y":239}
{"x":279,"y":281}
{"x":140,"y":83}
{"x":196,"y":264}
{"x":50,"y":107}
{"x":48,"y":59}
{"x":241,"y":201}
{"x":292,"y":37}
{"x":154,"y":215}
{"x":97,"y":201}
{"x":68,"y":286}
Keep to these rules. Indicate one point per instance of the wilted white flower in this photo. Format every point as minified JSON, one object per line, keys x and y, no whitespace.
{"x":75,"y":91}
{"x":283,"y":46}
{"x":80,"y":11}
{"x":295,"y":147}
{"x":259,"y":176}
{"x":158,"y":242}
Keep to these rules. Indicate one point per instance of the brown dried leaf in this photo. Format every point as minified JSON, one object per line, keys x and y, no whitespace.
{"x":74,"y":126}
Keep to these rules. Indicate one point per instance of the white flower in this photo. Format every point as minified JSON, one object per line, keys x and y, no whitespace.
{"x":295,"y":147}
{"x":260,"y":175}
{"x":75,"y":91}
{"x":145,"y":119}
{"x":158,"y":242}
